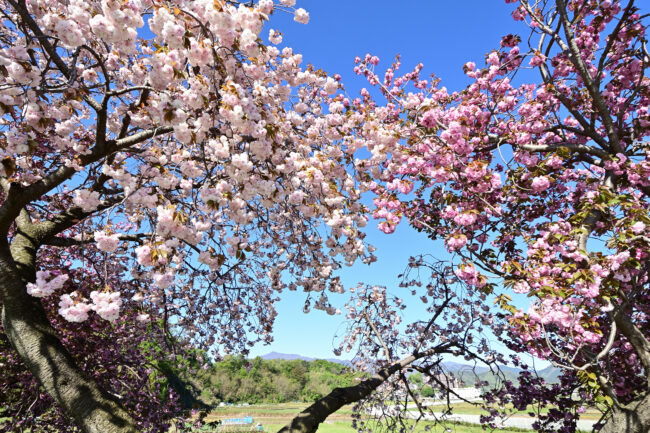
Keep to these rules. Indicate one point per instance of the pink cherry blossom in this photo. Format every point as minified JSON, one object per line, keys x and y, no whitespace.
{"x":106,"y":304}
{"x":46,"y":284}
{"x":465,"y":219}
{"x":73,"y":309}
{"x":106,"y":242}
{"x":301,"y":16}
{"x":540,"y":184}
{"x":456,"y":242}
{"x":638,"y":227}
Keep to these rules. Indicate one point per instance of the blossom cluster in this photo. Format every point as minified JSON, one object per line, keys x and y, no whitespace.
{"x":46,"y":283}
{"x":529,"y":185}
{"x":217,"y":172}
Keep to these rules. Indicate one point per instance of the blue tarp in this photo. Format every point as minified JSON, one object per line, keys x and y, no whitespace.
{"x":237,"y":421}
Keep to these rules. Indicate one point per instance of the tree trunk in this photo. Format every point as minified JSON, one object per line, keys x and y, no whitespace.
{"x":632,"y":418}
{"x":30,"y":333}
{"x":309,"y":419}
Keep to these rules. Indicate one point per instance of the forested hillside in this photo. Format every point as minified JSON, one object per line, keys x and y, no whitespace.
{"x":236,"y":379}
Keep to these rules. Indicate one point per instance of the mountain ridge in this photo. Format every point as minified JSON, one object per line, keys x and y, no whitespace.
{"x":550,"y":374}
{"x":293,"y":356}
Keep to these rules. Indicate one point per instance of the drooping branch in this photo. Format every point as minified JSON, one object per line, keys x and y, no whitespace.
{"x":309,"y":419}
{"x":387,"y":351}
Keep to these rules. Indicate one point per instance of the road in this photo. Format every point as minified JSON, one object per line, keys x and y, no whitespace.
{"x":514,"y":421}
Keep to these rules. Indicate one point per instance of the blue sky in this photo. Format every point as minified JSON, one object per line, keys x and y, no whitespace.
{"x":443,"y":35}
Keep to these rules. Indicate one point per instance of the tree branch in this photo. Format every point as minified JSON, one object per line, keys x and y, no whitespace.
{"x":376,"y":332}
{"x":594,"y":91}
{"x":18,"y":197}
{"x":21,"y":8}
{"x":637,"y":340}
{"x":70,"y":242}
{"x":309,"y":419}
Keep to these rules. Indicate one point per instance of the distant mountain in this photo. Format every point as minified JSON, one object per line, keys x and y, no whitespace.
{"x":454,"y":367}
{"x":470,"y":374}
{"x":287,"y":356}
{"x":292,"y":356}
{"x":550,"y":374}
{"x":465,"y":372}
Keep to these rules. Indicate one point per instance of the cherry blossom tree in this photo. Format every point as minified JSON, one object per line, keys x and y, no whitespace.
{"x":195,"y":160}
{"x":456,"y":322}
{"x":206,"y":167}
{"x":124,"y":355}
{"x":536,"y":176}
{"x":118,"y":355}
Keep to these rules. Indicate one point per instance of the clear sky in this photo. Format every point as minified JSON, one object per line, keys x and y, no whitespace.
{"x":443,"y":35}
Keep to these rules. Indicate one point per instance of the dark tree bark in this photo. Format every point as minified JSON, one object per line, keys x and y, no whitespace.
{"x":31,"y":334}
{"x":631,"y":418}
{"x":309,"y":419}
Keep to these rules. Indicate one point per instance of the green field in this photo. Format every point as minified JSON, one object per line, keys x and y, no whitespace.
{"x":283,"y":410}
{"x":275,"y":416}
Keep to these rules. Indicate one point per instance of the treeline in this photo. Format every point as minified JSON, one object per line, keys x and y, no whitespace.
{"x":236,"y":379}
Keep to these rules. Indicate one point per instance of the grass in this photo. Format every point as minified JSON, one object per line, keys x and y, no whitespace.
{"x":282,"y":409}
{"x":275,"y":416}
